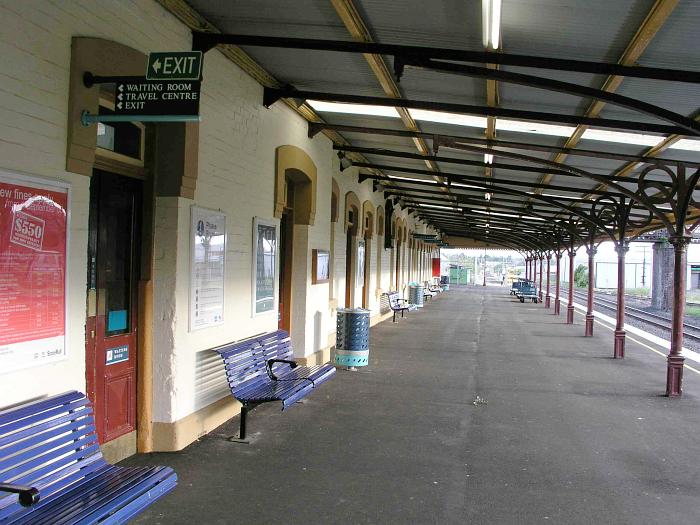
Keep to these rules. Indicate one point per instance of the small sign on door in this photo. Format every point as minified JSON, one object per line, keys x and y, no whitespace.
{"x":118,"y":354}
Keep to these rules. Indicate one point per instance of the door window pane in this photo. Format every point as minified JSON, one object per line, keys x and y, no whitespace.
{"x":266,"y":253}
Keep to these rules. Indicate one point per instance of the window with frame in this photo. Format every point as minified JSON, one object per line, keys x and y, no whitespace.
{"x":265,"y":271}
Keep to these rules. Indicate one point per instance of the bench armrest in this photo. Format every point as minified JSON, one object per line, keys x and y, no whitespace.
{"x":271,"y":362}
{"x":28,"y":496}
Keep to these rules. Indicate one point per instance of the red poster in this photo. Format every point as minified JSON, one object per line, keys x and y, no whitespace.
{"x":33,"y":227}
{"x":436,"y":266}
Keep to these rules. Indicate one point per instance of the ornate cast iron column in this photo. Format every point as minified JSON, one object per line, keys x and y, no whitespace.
{"x":676,"y":193}
{"x":619,"y":352}
{"x":557,"y":300}
{"x":541,"y":257}
{"x":591,"y":278}
{"x":674,"y":367}
{"x":547,"y":298}
{"x":570,"y":307}
{"x":527,"y":267}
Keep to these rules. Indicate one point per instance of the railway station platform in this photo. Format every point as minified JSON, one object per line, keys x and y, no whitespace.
{"x":477,"y":409}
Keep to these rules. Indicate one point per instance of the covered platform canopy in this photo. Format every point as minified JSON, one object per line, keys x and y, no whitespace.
{"x":536,"y":126}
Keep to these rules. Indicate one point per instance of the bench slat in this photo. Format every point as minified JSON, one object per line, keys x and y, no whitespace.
{"x":57,"y":458}
{"x":277,"y":391}
{"x":93,"y":500}
{"x":54,"y":434}
{"x":46,"y":425}
{"x":73,"y":476}
{"x":14,"y":416}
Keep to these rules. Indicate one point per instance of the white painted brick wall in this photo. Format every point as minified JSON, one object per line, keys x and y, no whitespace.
{"x":238,"y":137}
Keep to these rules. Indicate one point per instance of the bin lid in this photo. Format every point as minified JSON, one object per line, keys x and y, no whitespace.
{"x":353,"y":311}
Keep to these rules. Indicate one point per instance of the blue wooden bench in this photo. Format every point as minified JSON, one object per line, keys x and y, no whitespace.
{"x":397,"y":304}
{"x":51,"y":465}
{"x":262,"y":369}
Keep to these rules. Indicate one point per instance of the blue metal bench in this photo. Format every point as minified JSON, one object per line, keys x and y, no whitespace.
{"x":528,"y":290}
{"x":51,"y":465}
{"x":397,"y":304}
{"x":262,"y":369}
{"x":516,"y":285}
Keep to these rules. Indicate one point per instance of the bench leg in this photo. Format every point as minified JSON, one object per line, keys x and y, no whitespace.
{"x":244,"y":413}
{"x":242,"y":428}
{"x":394,"y":316}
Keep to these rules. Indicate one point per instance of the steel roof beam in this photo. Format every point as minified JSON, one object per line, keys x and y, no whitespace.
{"x":456,"y":177}
{"x":455,"y":160}
{"x":203,"y":41}
{"x":692,"y":127}
{"x":272,"y":95}
{"x":317,"y":127}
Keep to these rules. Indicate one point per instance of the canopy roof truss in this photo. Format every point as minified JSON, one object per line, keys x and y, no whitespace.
{"x":530,"y":192}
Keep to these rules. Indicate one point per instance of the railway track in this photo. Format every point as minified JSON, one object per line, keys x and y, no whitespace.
{"x":690,"y":331}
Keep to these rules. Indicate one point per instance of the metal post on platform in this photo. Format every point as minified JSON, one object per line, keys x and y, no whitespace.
{"x":557,"y":300}
{"x":675,"y":359}
{"x":570,"y":306}
{"x":527,"y":267}
{"x":547,"y":298}
{"x":591,"y":278}
{"x":619,"y":351}
{"x":541,"y":257}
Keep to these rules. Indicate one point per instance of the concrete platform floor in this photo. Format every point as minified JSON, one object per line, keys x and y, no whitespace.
{"x":567,"y":434}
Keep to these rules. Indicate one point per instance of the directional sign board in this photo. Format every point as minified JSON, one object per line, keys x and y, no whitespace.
{"x":176,"y":65}
{"x":157,"y":98}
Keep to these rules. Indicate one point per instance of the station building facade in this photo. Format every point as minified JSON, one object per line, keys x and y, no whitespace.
{"x":133,"y":190}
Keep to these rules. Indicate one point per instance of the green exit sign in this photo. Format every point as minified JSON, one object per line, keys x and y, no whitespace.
{"x":175,"y":65}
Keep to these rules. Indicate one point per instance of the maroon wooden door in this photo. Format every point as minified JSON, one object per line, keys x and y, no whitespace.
{"x":114,"y":256}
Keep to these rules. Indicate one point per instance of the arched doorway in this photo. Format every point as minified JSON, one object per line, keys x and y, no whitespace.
{"x":366,"y":263}
{"x":335,"y":205}
{"x":295,"y":207}
{"x":352,"y":228}
{"x":380,"y":241}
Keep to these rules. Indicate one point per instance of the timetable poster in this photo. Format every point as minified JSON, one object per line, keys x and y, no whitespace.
{"x":208,"y":264}
{"x":33,"y":231}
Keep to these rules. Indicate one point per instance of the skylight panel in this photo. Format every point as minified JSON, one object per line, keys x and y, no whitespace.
{"x":686,"y":144}
{"x":353,"y":109}
{"x":537,"y":128}
{"x":437,"y":206}
{"x":448,"y":118}
{"x":412,"y":179}
{"x":637,"y":139}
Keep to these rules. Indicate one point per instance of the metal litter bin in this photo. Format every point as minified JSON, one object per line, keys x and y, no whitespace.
{"x":352,"y":337}
{"x":415,"y":294}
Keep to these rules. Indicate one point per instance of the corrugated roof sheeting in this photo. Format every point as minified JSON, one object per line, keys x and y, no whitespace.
{"x":447,"y":23}
{"x":318,"y":70}
{"x":300,"y":19}
{"x":590,"y":30}
{"x":679,"y":97}
{"x":675,"y":45}
{"x":420,"y":84}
